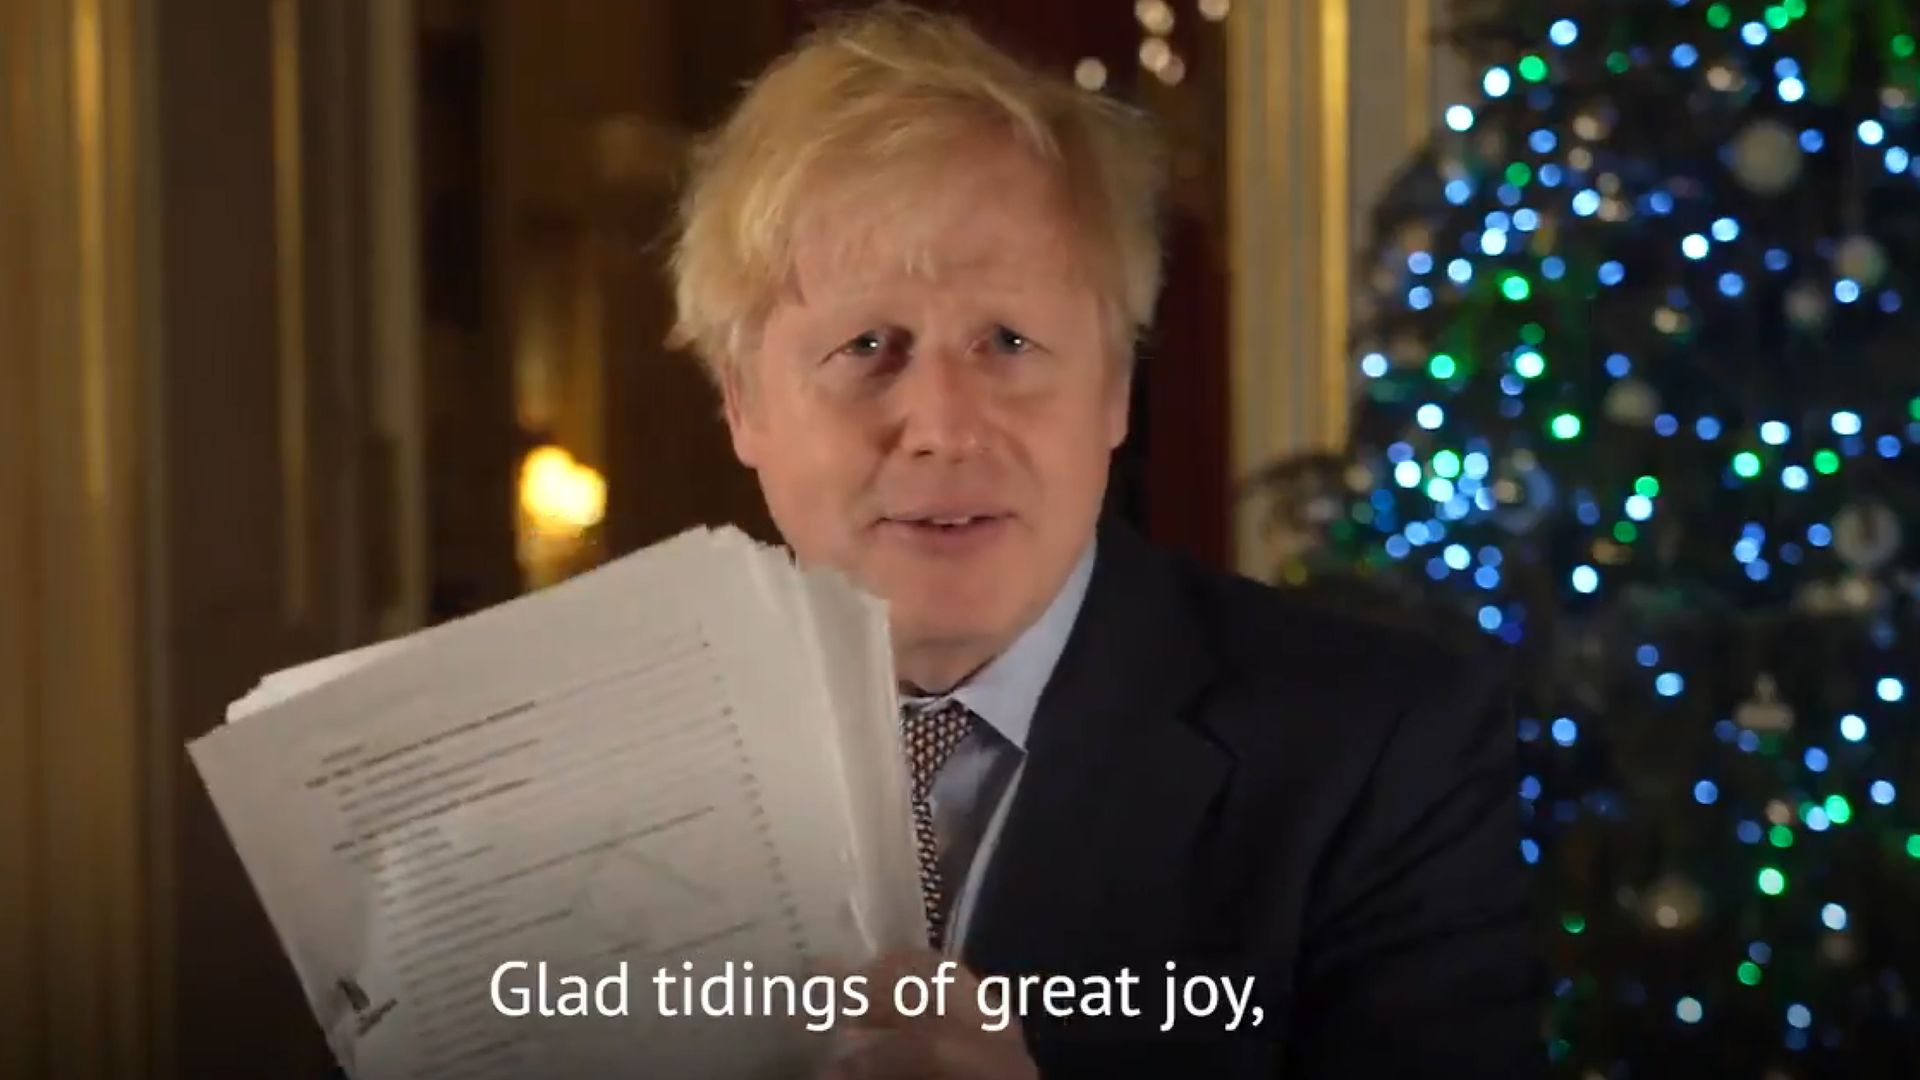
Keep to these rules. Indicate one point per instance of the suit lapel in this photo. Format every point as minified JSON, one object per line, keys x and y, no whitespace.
{"x":1116,"y":783}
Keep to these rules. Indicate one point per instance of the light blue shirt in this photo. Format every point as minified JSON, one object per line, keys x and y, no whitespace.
{"x":975,"y":787}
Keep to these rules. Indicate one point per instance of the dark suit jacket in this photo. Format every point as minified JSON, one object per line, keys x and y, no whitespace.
{"x":1221,"y":778}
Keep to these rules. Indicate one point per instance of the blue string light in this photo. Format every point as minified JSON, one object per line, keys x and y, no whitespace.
{"x":1585,"y":579}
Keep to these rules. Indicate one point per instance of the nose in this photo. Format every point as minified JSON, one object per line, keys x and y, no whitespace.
{"x":943,"y":408}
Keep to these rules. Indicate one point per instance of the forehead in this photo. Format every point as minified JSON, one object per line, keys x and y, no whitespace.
{"x":991,"y":216}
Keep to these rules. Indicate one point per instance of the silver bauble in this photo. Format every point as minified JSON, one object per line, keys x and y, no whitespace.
{"x":1767,"y":157}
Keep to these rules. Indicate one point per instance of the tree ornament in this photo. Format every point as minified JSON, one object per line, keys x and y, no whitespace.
{"x":1866,"y":536}
{"x":1631,"y":402}
{"x":1808,"y":305}
{"x":1767,"y":158}
{"x":1765,"y":711}
{"x":1674,"y":902}
{"x":1862,"y":259}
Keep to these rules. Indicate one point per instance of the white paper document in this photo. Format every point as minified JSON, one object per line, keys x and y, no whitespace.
{"x":686,"y":758}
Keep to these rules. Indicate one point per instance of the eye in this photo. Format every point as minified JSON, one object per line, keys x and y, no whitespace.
{"x":870,"y":345}
{"x":1008,"y":340}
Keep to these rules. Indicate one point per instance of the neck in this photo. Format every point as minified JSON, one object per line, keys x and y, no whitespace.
{"x":938,"y":668}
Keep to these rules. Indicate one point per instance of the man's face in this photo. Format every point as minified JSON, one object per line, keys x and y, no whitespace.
{"x":933,"y":406}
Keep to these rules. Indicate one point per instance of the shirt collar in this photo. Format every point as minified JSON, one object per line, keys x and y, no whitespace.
{"x":1006,"y":692}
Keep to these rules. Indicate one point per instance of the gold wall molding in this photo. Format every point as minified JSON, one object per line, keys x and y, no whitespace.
{"x":1326,"y":98}
{"x":77,"y":755}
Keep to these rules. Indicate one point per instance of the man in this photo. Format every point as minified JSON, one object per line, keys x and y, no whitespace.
{"x":916,"y":270}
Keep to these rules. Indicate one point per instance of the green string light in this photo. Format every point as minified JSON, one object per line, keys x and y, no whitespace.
{"x":1442,"y":366}
{"x":1826,"y":463}
{"x":1903,"y":46}
{"x":1749,"y":973}
{"x":1515,"y":287}
{"x":1529,"y":364}
{"x":1533,"y":68}
{"x":1519,"y":174}
{"x":1618,"y":63}
{"x":1533,"y":333}
{"x":1625,"y":532}
{"x":1446,"y":463}
{"x":1771,"y":881}
{"x":1913,"y":845}
{"x":1913,"y":408}
{"x":1719,"y":16}
{"x":1777,"y":18}
{"x":1839,"y":811}
{"x":1647,"y":486}
{"x":1795,"y":8}
{"x":1780,"y":836}
{"x":1746,"y":464}
{"x":1565,"y":426}
{"x":1574,"y":922}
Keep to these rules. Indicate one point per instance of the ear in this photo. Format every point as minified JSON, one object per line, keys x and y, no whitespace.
{"x":743,"y":422}
{"x":1119,"y":399}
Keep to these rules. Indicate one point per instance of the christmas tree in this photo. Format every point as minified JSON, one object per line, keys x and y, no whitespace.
{"x":1640,"y":396}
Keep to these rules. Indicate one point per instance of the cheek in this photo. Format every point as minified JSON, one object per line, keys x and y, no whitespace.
{"x":814,"y":471}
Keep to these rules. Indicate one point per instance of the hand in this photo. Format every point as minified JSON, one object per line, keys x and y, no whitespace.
{"x":884,"y":1045}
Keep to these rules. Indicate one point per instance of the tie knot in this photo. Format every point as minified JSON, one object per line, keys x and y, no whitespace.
{"x":931,"y":734}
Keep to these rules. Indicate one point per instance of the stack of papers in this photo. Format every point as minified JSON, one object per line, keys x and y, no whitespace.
{"x":686,"y":758}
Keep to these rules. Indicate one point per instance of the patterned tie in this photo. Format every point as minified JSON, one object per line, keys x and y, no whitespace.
{"x":932,"y":732}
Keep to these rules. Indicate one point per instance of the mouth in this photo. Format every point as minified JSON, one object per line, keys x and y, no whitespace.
{"x":946,"y":531}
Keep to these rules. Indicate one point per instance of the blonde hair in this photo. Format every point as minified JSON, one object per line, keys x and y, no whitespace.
{"x":878,"y":97}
